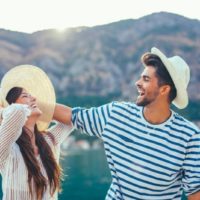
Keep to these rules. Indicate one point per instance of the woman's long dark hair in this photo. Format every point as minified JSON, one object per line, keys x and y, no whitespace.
{"x":53,"y":169}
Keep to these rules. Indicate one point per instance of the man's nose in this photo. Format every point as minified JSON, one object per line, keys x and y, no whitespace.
{"x":138,"y":82}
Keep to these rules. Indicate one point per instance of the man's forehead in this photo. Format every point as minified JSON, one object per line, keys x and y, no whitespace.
{"x":148,"y":71}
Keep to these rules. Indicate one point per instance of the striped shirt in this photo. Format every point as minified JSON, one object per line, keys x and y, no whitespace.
{"x":147,"y":162}
{"x":12,"y":166}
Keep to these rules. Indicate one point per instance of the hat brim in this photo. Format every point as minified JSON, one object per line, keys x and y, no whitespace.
{"x":37,"y":83}
{"x":181,"y":100}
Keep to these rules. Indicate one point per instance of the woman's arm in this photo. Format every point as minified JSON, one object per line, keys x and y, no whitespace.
{"x":13,"y":119}
{"x":60,"y":132}
{"x":63,"y":114}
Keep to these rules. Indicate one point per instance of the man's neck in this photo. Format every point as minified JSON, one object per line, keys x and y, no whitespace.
{"x":156,"y":114}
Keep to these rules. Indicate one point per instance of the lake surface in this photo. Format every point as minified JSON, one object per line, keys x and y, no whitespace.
{"x":88,"y":177}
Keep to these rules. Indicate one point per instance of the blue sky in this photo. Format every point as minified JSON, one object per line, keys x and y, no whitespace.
{"x":33,"y":15}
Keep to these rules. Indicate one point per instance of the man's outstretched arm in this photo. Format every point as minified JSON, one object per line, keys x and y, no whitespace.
{"x":88,"y":120}
{"x":62,"y":114}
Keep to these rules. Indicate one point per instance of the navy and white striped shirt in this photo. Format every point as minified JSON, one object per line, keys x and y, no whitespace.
{"x":147,"y":162}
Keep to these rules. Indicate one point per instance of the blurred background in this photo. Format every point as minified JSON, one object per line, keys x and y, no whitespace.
{"x":91,"y":52}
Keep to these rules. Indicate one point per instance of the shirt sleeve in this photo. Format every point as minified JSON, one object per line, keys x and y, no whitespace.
{"x":91,"y":121}
{"x":60,"y":132}
{"x":13,"y":119}
{"x":191,"y":166}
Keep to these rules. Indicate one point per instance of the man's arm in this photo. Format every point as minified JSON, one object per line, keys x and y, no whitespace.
{"x":62,"y":114}
{"x":191,"y":175}
{"x":88,"y":120}
{"x":195,"y":196}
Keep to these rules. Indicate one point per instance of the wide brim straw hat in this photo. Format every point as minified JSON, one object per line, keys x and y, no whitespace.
{"x":36,"y":82}
{"x":180,"y":73}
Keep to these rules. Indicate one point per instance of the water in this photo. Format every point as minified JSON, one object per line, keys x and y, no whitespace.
{"x":88,"y":176}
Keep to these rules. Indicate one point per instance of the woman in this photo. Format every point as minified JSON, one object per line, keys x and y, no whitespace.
{"x":28,"y":156}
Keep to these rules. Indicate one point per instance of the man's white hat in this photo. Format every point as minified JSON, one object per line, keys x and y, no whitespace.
{"x":180,"y":74}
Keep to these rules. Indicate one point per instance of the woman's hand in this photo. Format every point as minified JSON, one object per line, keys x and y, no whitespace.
{"x":15,"y":106}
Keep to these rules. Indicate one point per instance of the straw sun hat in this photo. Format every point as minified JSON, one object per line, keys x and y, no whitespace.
{"x":180,"y":74}
{"x":37,"y":83}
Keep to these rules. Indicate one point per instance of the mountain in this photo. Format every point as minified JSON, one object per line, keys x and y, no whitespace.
{"x":104,"y":60}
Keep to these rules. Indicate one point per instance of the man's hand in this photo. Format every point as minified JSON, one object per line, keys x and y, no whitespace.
{"x":195,"y":196}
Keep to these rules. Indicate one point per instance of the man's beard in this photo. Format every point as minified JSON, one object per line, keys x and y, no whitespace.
{"x":144,"y":102}
{"x":147,"y":100}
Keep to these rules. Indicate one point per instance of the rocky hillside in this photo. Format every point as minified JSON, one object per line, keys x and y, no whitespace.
{"x":104,"y":60}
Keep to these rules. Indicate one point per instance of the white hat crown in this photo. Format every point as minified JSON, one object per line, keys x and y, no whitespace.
{"x":180,"y":74}
{"x":181,"y":71}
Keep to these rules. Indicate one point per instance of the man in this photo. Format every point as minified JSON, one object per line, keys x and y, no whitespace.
{"x":153,"y":153}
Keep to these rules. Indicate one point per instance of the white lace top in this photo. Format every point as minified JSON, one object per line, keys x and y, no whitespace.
{"x":12,"y":166}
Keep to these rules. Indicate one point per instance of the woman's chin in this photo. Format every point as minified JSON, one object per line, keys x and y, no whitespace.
{"x":37,"y":112}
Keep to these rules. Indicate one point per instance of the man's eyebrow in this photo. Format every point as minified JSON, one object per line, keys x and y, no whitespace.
{"x":145,"y":76}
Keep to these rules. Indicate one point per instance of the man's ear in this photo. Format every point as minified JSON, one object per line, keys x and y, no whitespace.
{"x":165,"y":90}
